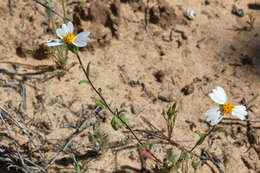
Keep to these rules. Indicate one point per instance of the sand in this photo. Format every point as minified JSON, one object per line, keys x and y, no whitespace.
{"x":145,"y":55}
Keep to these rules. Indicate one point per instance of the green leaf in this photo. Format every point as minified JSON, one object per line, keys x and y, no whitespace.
{"x":121,"y":111}
{"x":88,"y":68}
{"x":101,"y":103}
{"x":198,"y":132}
{"x":186,"y":156}
{"x":74,"y":49}
{"x":163,"y":112}
{"x":100,"y":91}
{"x":202,"y":137}
{"x":174,"y":117}
{"x":75,"y":162}
{"x":149,"y":148}
{"x":115,"y":122}
{"x":83,"y":81}
{"x":174,"y":106}
{"x":195,"y":164}
{"x":172,"y":113}
{"x":91,"y":136}
{"x":187,"y":166}
{"x":250,"y":16}
{"x":123,"y":117}
{"x":171,"y":155}
{"x":182,"y":157}
{"x":84,"y":166}
{"x":219,"y":128}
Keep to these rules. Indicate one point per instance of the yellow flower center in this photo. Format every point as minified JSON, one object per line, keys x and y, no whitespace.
{"x":69,"y":37}
{"x":227,"y":108}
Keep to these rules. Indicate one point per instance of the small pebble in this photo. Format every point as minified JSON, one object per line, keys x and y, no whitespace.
{"x":165,"y":99}
{"x":237,"y":12}
{"x":191,"y":14}
{"x":159,"y":75}
{"x":188,"y":89}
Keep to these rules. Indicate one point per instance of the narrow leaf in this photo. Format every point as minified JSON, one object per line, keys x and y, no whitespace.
{"x":83,"y":81}
{"x":88,"y":69}
{"x":219,"y":128}
{"x":101,"y":103}
{"x":123,"y":117}
{"x":202,"y":137}
{"x":198,"y":132}
{"x":121,"y":111}
{"x":186,"y":167}
{"x":100,"y":91}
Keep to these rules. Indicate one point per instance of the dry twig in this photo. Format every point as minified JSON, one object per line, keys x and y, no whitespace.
{"x":70,"y":139}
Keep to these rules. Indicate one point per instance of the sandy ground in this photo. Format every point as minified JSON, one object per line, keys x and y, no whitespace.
{"x":145,"y":56}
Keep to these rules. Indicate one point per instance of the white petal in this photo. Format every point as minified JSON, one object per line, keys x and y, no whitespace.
{"x":54,"y":42}
{"x":81,"y":39}
{"x":70,"y":27}
{"x":214,"y":116}
{"x":82,"y":36}
{"x":240,"y":112}
{"x":60,"y":33}
{"x":65,"y":29}
{"x":80,"y":43}
{"x":218,"y":95}
{"x":222,"y":92}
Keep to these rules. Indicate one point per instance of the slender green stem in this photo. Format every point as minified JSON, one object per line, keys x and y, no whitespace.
{"x":49,"y":4}
{"x":47,"y":7}
{"x":53,"y":26}
{"x":64,"y":11}
{"x":110,"y":110}
{"x":66,"y":57}
{"x":198,"y":142}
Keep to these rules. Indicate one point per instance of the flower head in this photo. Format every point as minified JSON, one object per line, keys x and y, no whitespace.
{"x":215,"y":115}
{"x":65,"y":34}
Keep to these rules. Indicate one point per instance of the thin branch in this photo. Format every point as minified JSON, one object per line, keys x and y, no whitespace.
{"x":14,"y":142}
{"x":10,"y":7}
{"x":23,"y":94}
{"x":162,"y":136}
{"x":22,"y":90}
{"x":250,"y":101}
{"x":247,"y":120}
{"x":80,"y":129}
{"x":34,"y":164}
{"x":27,"y":75}
{"x":31,"y":140}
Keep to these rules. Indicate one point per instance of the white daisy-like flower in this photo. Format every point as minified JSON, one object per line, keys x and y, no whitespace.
{"x":215,"y":115}
{"x":65,"y":34}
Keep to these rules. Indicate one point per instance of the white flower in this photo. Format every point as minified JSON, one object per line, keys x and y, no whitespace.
{"x":65,"y":34}
{"x":215,"y":115}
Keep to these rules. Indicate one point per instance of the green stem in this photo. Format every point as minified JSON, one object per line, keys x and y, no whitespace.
{"x":66,"y":57}
{"x":198,"y":142}
{"x":64,"y":11}
{"x":110,"y":110}
{"x":49,"y":4}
